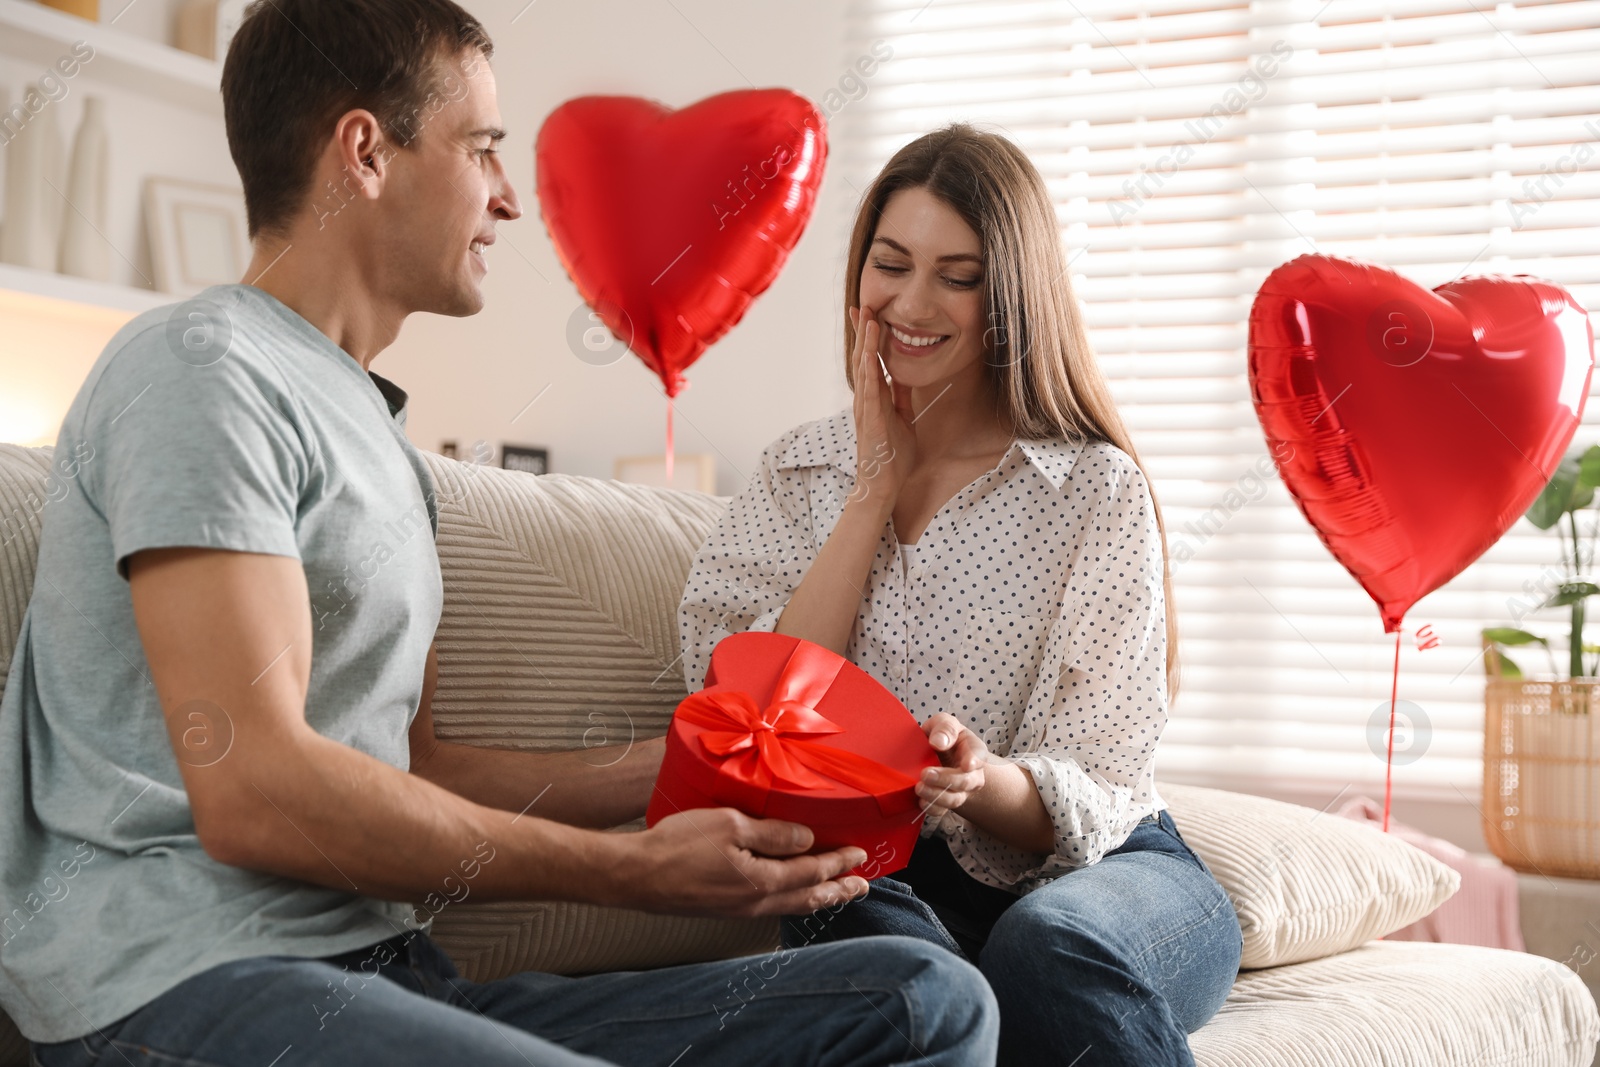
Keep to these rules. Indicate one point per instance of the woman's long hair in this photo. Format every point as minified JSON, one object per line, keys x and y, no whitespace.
{"x":1044,"y":373}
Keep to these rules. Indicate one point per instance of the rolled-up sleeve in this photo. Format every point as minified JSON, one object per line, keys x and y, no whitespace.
{"x":743,"y":576}
{"x":1089,"y":731}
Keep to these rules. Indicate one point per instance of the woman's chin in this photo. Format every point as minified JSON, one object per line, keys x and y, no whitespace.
{"x":919,"y":375}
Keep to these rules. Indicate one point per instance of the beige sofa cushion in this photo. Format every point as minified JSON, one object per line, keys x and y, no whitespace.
{"x":560,"y":632}
{"x":24,"y":489}
{"x":1305,"y":884}
{"x":1405,"y":1003}
{"x":24,"y":473}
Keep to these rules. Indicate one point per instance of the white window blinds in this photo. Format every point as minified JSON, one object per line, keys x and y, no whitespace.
{"x":1192,"y":148}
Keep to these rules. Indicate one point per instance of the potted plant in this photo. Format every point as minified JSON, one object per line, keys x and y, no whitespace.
{"x":1541,"y":743}
{"x":1570,"y":490}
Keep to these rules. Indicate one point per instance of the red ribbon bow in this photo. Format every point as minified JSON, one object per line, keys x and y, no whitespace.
{"x":759,"y":748}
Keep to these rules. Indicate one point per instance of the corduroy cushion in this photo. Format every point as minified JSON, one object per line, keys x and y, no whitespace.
{"x":1305,"y":884}
{"x":560,"y":632}
{"x":24,"y":476}
{"x":25,"y":488}
{"x":1405,"y":1004}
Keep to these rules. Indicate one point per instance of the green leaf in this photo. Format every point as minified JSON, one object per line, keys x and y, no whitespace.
{"x":1556,"y":499}
{"x":1505,"y":635}
{"x":1589,"y":468}
{"x":1570,"y":593}
{"x":1508,"y":667}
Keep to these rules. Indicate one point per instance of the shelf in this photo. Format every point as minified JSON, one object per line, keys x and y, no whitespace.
{"x":81,"y":291}
{"x":41,"y":35}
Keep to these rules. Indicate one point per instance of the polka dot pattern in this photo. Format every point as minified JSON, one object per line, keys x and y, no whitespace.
{"x":1031,"y":608}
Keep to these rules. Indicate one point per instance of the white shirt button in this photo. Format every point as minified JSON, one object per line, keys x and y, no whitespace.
{"x":897,"y":670}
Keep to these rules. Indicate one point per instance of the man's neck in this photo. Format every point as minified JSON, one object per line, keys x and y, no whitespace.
{"x":328,"y":291}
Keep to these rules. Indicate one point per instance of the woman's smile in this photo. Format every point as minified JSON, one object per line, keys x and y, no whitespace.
{"x":915,"y":343}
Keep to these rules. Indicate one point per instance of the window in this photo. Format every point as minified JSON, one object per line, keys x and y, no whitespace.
{"x":1190,"y":150}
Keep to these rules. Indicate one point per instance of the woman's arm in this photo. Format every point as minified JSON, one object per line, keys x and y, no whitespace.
{"x":1087,"y":739}
{"x":824,"y":606}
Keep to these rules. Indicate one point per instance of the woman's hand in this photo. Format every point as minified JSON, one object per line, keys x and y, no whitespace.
{"x":886,"y":445}
{"x":964,"y":757}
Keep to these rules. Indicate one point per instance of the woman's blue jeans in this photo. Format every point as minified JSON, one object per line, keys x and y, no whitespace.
{"x":1110,"y":964}
{"x":865,"y":1004}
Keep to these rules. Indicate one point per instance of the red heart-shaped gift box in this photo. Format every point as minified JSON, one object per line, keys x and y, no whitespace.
{"x":786,"y":729}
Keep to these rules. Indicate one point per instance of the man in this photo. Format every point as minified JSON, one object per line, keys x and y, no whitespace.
{"x":221,"y":790}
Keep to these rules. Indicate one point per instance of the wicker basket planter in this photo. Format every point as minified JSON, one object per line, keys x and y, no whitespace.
{"x":1541,"y":775}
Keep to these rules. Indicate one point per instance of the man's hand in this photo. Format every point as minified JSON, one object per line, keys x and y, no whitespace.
{"x":964,"y":757}
{"x":718,"y":861}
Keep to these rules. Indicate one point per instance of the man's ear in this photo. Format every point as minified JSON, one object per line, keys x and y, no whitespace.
{"x":363,"y":153}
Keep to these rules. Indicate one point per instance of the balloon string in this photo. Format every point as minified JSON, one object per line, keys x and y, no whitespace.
{"x":1388,"y":763}
{"x":669,"y":441}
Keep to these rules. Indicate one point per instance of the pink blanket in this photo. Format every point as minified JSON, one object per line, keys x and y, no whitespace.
{"x":1482,"y":912}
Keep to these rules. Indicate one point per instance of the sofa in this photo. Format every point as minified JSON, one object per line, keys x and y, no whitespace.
{"x":559,"y":632}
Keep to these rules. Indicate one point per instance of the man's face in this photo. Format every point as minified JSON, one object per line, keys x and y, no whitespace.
{"x":445,"y":194}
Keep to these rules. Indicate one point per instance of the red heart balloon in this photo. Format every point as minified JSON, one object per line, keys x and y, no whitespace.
{"x":671,"y":222}
{"x":1414,"y":427}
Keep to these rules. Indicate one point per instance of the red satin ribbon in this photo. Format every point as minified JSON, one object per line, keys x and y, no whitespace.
{"x":759,"y":748}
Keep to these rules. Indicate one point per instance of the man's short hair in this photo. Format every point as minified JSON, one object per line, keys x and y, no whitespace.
{"x":296,"y":66}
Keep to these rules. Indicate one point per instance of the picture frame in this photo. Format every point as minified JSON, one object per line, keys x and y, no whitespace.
{"x":690,"y":470}
{"x":526,"y":459}
{"x":197,"y":233}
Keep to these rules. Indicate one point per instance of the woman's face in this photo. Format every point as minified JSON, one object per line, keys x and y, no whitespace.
{"x":923,"y":278}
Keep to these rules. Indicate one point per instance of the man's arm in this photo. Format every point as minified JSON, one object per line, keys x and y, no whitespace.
{"x":596,"y":787}
{"x":228,"y":636}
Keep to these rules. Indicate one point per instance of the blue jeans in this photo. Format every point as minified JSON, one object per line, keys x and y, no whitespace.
{"x":1110,"y":964}
{"x":884,"y":1001}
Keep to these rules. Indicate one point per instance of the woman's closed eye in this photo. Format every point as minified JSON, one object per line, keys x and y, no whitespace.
{"x":957,"y":283}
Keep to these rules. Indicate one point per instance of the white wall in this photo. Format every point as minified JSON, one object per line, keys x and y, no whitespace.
{"x":780,"y":366}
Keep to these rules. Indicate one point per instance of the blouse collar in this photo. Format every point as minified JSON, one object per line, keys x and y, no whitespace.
{"x":832,"y":442}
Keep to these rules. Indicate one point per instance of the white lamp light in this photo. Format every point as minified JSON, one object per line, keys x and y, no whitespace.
{"x":25,"y":426}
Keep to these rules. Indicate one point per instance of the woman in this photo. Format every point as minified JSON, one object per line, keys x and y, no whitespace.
{"x":978,"y":535}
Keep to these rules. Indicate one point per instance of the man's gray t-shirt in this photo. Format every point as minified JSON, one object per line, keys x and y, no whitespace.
{"x":282,"y":445}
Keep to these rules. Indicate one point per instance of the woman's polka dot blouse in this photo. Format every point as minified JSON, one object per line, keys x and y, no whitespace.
{"x":1031,"y":608}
